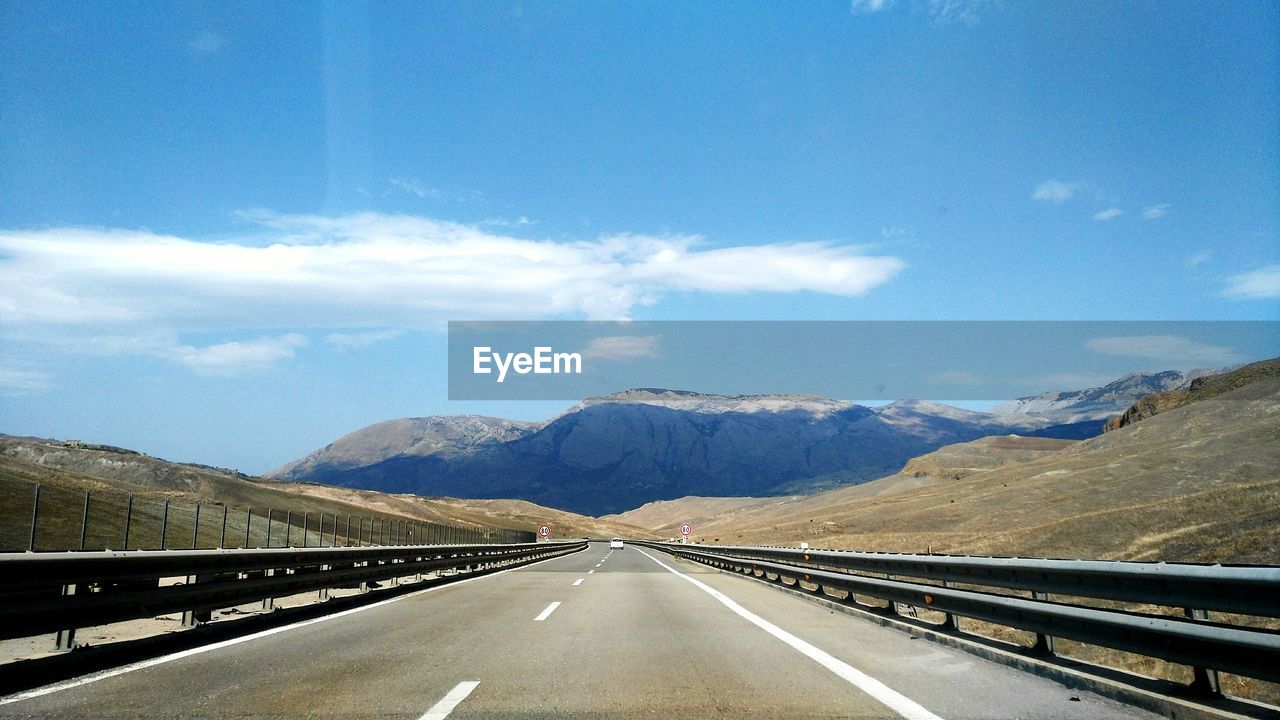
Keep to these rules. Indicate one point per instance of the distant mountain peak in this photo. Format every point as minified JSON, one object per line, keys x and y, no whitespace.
{"x":711,"y":403}
{"x":1097,"y":403}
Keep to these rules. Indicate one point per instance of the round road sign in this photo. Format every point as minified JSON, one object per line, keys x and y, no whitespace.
{"x":544,"y":531}
{"x":686,"y":529}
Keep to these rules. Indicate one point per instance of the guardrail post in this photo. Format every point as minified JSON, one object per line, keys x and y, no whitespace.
{"x":324,"y":591}
{"x":35,"y":512}
{"x":1205,"y":681}
{"x":84,"y":521}
{"x":950,"y":621}
{"x":269,"y":602}
{"x":66,"y":639}
{"x":192,"y":618}
{"x":1044,"y":643}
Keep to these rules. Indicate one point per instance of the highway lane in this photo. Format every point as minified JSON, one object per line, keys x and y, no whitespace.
{"x":632,"y":639}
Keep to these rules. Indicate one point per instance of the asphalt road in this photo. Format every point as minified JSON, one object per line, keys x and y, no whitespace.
{"x":597,"y":634}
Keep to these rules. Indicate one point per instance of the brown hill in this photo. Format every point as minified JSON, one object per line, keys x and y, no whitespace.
{"x":65,"y":470}
{"x":1199,"y":483}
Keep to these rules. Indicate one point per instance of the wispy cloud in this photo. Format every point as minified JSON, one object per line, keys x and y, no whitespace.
{"x":869,"y":6}
{"x":207,"y":43}
{"x":964,"y":12}
{"x":957,"y":377}
{"x":1172,"y":351}
{"x":1108,"y":214}
{"x":1055,"y":191}
{"x":389,"y":271}
{"x":417,"y":187}
{"x":1155,"y":212}
{"x":1260,"y":284}
{"x":521,"y":221}
{"x":1199,"y":258}
{"x":622,"y":347}
{"x":350,"y":341}
{"x":237,"y":357}
{"x":18,"y":381}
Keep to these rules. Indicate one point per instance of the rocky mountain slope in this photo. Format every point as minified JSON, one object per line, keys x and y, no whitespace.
{"x":1097,"y":403}
{"x":1201,"y":388}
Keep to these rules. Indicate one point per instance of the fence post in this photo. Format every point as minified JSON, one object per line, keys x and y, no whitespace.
{"x":346,"y":541}
{"x":268,"y":527}
{"x":195,"y":527}
{"x":84,"y":521}
{"x":35,"y":511}
{"x":222,"y":537}
{"x":248,"y":520}
{"x":128,"y":520}
{"x":306,"y":529}
{"x":288,"y":528}
{"x":164,"y":524}
{"x":1205,"y":681}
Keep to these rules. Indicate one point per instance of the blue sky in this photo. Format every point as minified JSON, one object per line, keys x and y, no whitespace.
{"x":231,"y":232}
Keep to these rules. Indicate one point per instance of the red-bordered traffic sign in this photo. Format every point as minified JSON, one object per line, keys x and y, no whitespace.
{"x":544,"y":531}
{"x":686,"y":529}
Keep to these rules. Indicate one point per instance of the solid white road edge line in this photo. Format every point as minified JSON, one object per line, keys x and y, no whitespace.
{"x":899,"y":703}
{"x":441,"y":710}
{"x":578,"y":582}
{"x":547,"y":613}
{"x":104,"y":674}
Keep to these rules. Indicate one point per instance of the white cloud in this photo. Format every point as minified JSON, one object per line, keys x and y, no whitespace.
{"x":1155,"y":212}
{"x":207,"y":43}
{"x":1055,"y":191}
{"x":348,"y":341}
{"x":869,"y":6}
{"x":622,"y":347}
{"x":1108,"y":214}
{"x":1173,"y":351}
{"x":521,"y":221}
{"x":388,"y":271}
{"x":17,"y":381}
{"x":237,"y":357}
{"x":1260,"y":284}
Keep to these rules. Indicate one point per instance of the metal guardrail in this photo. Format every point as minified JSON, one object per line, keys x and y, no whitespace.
{"x":1208,"y":647}
{"x":46,"y":593}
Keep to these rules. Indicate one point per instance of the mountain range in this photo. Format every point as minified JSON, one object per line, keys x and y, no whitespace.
{"x":613,"y":453}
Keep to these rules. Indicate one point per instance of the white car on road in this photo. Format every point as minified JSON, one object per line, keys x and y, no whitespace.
{"x":615,"y":544}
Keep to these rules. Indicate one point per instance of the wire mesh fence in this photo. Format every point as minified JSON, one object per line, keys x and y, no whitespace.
{"x":47,"y":518}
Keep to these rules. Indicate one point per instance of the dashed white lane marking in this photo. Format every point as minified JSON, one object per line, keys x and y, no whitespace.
{"x":894,"y":700}
{"x":85,"y":680}
{"x":578,"y":582}
{"x":441,"y":710}
{"x":591,"y":572}
{"x":547,"y":613}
